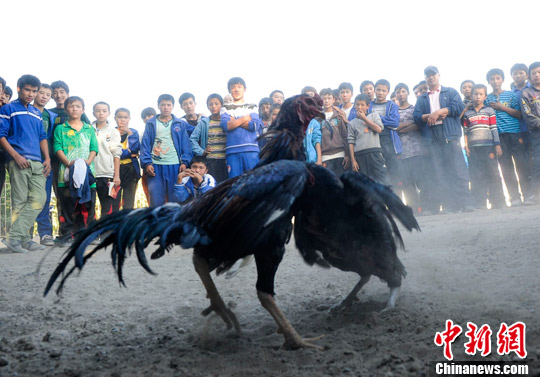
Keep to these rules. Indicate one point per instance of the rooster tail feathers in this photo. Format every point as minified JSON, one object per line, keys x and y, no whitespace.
{"x":384,"y":195}
{"x":126,"y":230}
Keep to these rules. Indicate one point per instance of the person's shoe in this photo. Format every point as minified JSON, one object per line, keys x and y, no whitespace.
{"x":515,"y":202}
{"x":63,"y":241}
{"x":14,"y":246}
{"x":47,"y":240}
{"x":32,"y":246}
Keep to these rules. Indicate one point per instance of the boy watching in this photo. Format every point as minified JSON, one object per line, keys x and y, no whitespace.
{"x":165,"y":151}
{"x":274,"y":111}
{"x":420,"y":88}
{"x":208,"y":139}
{"x":277,"y":96}
{"x":309,"y":90}
{"x":107,"y":161}
{"x":466,"y":90}
{"x":75,"y":141}
{"x":193,"y":182}
{"x":520,"y":75}
{"x":345,"y":93}
{"x":415,"y":165}
{"x":508,"y":111}
{"x":60,"y":92}
{"x":240,"y":121}
{"x":389,"y":138}
{"x":334,"y":145}
{"x":264,"y":112}
{"x":147,"y":114}
{"x":44,"y":225}
{"x":130,"y":170}
{"x":482,"y":146}
{"x":363,"y":138}
{"x":24,"y":141}
{"x":6,"y":96}
{"x":188,"y":104}
{"x":367,"y":87}
{"x":530,"y":107}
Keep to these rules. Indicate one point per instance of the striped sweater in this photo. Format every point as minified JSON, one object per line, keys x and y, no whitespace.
{"x":481,"y":127}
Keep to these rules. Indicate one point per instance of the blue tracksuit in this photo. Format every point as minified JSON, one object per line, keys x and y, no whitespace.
{"x":161,"y":187}
{"x":242,"y":150}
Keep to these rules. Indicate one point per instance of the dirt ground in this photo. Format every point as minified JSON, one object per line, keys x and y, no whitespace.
{"x":481,"y":267}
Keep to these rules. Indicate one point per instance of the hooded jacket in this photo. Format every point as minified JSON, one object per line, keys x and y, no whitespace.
{"x":179,"y":136}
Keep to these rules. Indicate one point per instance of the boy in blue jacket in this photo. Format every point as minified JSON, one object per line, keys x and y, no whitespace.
{"x":240,"y":120}
{"x":193,"y":182}
{"x":165,"y":151}
{"x":24,"y":141}
{"x":437,"y":114}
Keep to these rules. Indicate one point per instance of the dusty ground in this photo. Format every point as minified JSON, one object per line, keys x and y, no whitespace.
{"x":481,"y":267}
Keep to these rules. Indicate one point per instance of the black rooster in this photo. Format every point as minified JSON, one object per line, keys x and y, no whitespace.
{"x":343,"y":222}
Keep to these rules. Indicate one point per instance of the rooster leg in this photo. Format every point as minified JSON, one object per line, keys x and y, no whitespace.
{"x":216,"y":302}
{"x":347,"y":302}
{"x":292,"y":339}
{"x":394,"y":293}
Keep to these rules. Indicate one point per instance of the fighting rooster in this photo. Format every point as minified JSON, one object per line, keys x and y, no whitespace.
{"x":252,"y":215}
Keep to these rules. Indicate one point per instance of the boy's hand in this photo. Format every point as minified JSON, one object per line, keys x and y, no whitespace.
{"x":182,"y":168}
{"x":355,"y":166}
{"x":181,"y":176}
{"x":21,"y":162}
{"x":498,"y":150}
{"x":496,"y":106}
{"x":346,"y":162}
{"x":319,"y":162}
{"x":206,"y":151}
{"x":433,"y":118}
{"x":46,"y":167}
{"x":150,"y":170}
{"x":340,"y":113}
{"x":360,"y":114}
{"x":116,"y":181}
{"x":196,"y":178}
{"x":467,"y":151}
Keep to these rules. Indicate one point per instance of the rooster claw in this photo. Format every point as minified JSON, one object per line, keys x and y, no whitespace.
{"x":226,"y":314}
{"x":298,"y":342}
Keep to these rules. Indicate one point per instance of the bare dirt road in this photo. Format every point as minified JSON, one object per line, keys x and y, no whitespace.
{"x":481,"y":267}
